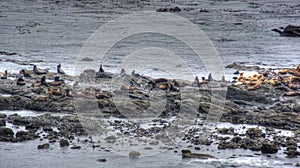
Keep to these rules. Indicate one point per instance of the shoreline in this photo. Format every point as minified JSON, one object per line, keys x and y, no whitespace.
{"x":263,"y":106}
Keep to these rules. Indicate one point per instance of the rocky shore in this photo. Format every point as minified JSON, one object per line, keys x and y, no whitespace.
{"x":267,"y":98}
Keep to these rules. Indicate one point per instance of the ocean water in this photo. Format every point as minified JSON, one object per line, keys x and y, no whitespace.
{"x":46,"y":33}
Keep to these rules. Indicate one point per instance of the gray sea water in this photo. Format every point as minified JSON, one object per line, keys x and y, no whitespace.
{"x":45,"y":33}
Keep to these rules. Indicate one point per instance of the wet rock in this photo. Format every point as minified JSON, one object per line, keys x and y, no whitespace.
{"x":76,"y":147}
{"x":134,"y":154}
{"x":2,"y":122}
{"x":6,"y":134}
{"x":226,"y":131}
{"x":269,"y":148}
{"x":3,"y":115}
{"x":64,"y":143}
{"x":101,"y":160}
{"x":255,"y":133}
{"x":44,"y":146}
{"x":189,"y":154}
{"x":24,"y":136}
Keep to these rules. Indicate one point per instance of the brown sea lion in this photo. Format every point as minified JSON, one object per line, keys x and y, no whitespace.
{"x":21,"y":81}
{"x":54,"y":91}
{"x":256,"y":86}
{"x":4,"y":75}
{"x":39,"y":71}
{"x":296,"y":72}
{"x":25,"y":73}
{"x":165,"y":86}
{"x":284,"y":71}
{"x":128,"y":87}
{"x":196,"y":81}
{"x":291,"y":94}
{"x":103,"y":96}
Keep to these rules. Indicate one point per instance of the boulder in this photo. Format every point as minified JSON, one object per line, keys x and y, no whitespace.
{"x":134,"y":154}
{"x":64,"y":143}
{"x":44,"y":146}
{"x":6,"y":132}
{"x":269,"y":148}
{"x":2,"y":122}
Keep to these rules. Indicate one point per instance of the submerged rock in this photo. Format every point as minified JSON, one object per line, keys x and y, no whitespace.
{"x":134,"y":154}
{"x":189,"y":154}
{"x":64,"y":143}
{"x":269,"y":148}
{"x":44,"y":146}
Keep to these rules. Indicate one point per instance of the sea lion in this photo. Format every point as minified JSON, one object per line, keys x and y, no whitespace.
{"x":128,"y":87}
{"x":175,"y":83}
{"x":103,"y":96}
{"x":241,"y":78}
{"x":296,"y":72}
{"x":60,"y":70}
{"x":290,"y":30}
{"x":43,"y":81}
{"x":123,"y":72}
{"x":54,"y":91}
{"x":291,"y":94}
{"x":25,"y":73}
{"x":160,"y":80}
{"x":21,"y":81}
{"x":223,"y":79}
{"x":165,"y":86}
{"x":293,"y":86}
{"x":256,"y":86}
{"x":39,"y":71}
{"x":101,"y":69}
{"x":210,"y":78}
{"x":284,"y":71}
{"x":4,"y":75}
{"x":196,"y":81}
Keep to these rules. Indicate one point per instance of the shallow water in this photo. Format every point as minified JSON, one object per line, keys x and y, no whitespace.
{"x":50,"y":32}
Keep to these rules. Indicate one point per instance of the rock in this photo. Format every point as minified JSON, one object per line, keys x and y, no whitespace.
{"x":76,"y":147}
{"x":297,"y":164}
{"x":25,"y":136}
{"x":3,"y":115}
{"x":189,"y":154}
{"x":6,"y":133}
{"x":134,"y":154}
{"x":269,"y":148}
{"x":44,"y":146}
{"x":101,"y":160}
{"x":255,"y":132}
{"x":2,"y":122}
{"x":87,"y":59}
{"x":226,"y":131}
{"x":64,"y":143}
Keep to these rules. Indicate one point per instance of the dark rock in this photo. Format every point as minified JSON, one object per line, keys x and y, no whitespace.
{"x":64,"y":143}
{"x":297,"y":164}
{"x":189,"y":154}
{"x":24,"y":136}
{"x":134,"y":154}
{"x":6,"y":134}
{"x":101,"y":160}
{"x":269,"y":148}
{"x":255,"y":132}
{"x":44,"y":146}
{"x":76,"y":147}
{"x":2,"y":122}
{"x":3,"y":115}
